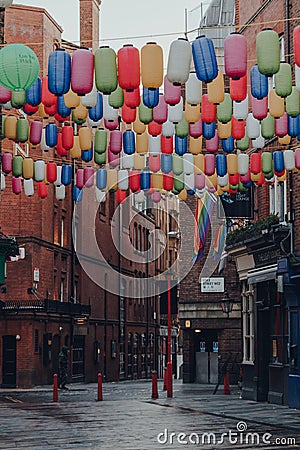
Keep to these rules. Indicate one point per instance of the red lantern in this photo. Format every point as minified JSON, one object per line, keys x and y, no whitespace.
{"x":48,"y":99}
{"x":154,"y":128}
{"x":115,"y":141}
{"x":67,"y":136}
{"x":209,"y":164}
{"x":51,"y":172}
{"x":245,"y":178}
{"x":209,"y":110}
{"x":166,"y":144}
{"x":35,"y":134}
{"x":154,"y":163}
{"x":160,"y":112}
{"x":237,"y":128}
{"x":234,"y":179}
{"x":134,"y":180}
{"x":82,"y":71}
{"x":60,"y":150}
{"x":238,"y":89}
{"x":132,"y":98}
{"x":255,"y":163}
{"x":296,"y":38}
{"x":128,"y":114}
{"x":235,"y":53}
{"x":5,"y":95}
{"x":129,"y":67}
{"x":16,"y":184}
{"x":261,"y":181}
{"x":168,"y":181}
{"x":88,"y":176}
{"x":80,"y":178}
{"x":120,"y":195}
{"x":51,"y":110}
{"x":60,"y":118}
{"x":259,"y":107}
{"x":42,"y":188}
{"x":29,"y":110}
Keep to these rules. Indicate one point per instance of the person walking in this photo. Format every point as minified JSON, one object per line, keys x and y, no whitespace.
{"x":63,"y":367}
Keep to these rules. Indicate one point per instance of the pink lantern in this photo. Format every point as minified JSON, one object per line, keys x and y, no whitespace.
{"x":16,"y":184}
{"x":113,"y":158}
{"x":199,"y":180}
{"x":156,"y":196}
{"x":82,"y":71}
{"x":6,"y":162}
{"x":235,"y":53}
{"x":35,"y":134}
{"x":111,"y":124}
{"x":5,"y":95}
{"x":259,"y":107}
{"x":297,"y":158}
{"x":115,"y":141}
{"x":209,"y":164}
{"x":172,"y":93}
{"x":160,"y":112}
{"x":79,"y":178}
{"x":212,"y":144}
{"x":245,"y":178}
{"x":154,"y":163}
{"x":281,"y":125}
{"x":88,"y":176}
{"x":195,"y":129}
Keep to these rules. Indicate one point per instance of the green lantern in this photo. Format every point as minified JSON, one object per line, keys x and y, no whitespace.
{"x":145,"y":113}
{"x":242,"y":188}
{"x":3,"y":126}
{"x":22,"y":129}
{"x":116,"y":98}
{"x":100,"y":158}
{"x":106,"y":70}
{"x":267,"y":162}
{"x":283,"y":80}
{"x":267,"y":127}
{"x":177,"y":164}
{"x":243,"y":144}
{"x":179,"y":182}
{"x":292,"y":103}
{"x":19,"y":67}
{"x":268,"y":52}
{"x":182,"y":128}
{"x":17,"y":166}
{"x":224,"y":109}
{"x":18,"y":99}
{"x":269,"y":175}
{"x":100,"y":141}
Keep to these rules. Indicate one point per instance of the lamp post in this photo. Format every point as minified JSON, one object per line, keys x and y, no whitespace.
{"x":226,"y":304}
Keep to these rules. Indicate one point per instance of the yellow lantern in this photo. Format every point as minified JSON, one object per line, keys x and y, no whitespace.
{"x":226,"y":188}
{"x":141,"y":143}
{"x":215,"y":89}
{"x":212,"y":181}
{"x":85,"y":138}
{"x":195,"y":145}
{"x":255,"y":176}
{"x":152,"y":65}
{"x":138,"y":126}
{"x":282,"y":178}
{"x":224,"y":130}
{"x":71,"y":99}
{"x":112,"y":179}
{"x":75,"y":151}
{"x":80,"y":112}
{"x":285,"y":140}
{"x":27,"y":168}
{"x":139,"y":161}
{"x":276,"y":104}
{"x":182,"y":195}
{"x":157,"y":181}
{"x":192,"y":113}
{"x":41,"y":112}
{"x":232,"y":163}
{"x":10,"y":127}
{"x":199,"y":163}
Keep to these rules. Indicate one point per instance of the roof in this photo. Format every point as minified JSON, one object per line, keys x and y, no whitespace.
{"x":219,"y":12}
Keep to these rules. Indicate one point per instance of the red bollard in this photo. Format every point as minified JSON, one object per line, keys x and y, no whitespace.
{"x":170,"y":380}
{"x":165,"y":379}
{"x":55,"y":388}
{"x":154,"y":385}
{"x":226,"y":384}
{"x":100,"y":397}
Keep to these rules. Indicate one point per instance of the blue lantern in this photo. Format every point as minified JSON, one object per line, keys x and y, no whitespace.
{"x":51,"y":134}
{"x":96,"y":112}
{"x":166,"y":163}
{"x":205,"y":60}
{"x":87,"y":155}
{"x":221,"y":165}
{"x":145,"y":180}
{"x":77,"y":194}
{"x":34,"y":93}
{"x":59,"y":72}
{"x":62,"y":109}
{"x":191,"y":191}
{"x":259,"y":83}
{"x":150,"y":97}
{"x":228,"y":144}
{"x":129,"y":142}
{"x":66,"y":174}
{"x":278,"y":159}
{"x":293,"y":126}
{"x":208,"y":129}
{"x":101,"y":178}
{"x":247,"y":185}
{"x":180,"y":145}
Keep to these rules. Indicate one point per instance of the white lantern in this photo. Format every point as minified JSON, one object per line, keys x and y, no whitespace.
{"x":168,"y":129}
{"x":127,"y":161}
{"x":252,"y":127}
{"x":154,"y":145}
{"x":193,"y":90}
{"x":109,"y":113}
{"x":90,"y":100}
{"x":188,"y":163}
{"x":140,"y":197}
{"x":123,"y":181}
{"x":243,"y":163}
{"x":43,"y":145}
{"x":28,"y":187}
{"x":100,"y":195}
{"x":258,"y":142}
{"x":289,"y":159}
{"x":189,"y":181}
{"x":7,"y":106}
{"x":240,"y":109}
{"x":175,"y":112}
{"x":179,"y":61}
{"x":2,"y":184}
{"x":60,"y":192}
{"x":57,"y":182}
{"x":223,"y":181}
{"x":95,"y":124}
{"x":39,"y":170}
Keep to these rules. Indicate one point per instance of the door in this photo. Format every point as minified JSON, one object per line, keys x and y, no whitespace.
{"x":78,"y":359}
{"x":9,"y":361}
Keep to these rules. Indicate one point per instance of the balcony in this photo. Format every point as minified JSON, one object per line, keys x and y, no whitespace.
{"x":46,"y":306}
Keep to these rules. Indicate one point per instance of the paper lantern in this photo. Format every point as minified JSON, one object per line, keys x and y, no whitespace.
{"x":292,"y":103}
{"x":259,"y":107}
{"x":297,"y":158}
{"x":205,"y":60}
{"x":195,"y":145}
{"x":189,"y":181}
{"x":111,"y":124}
{"x":168,"y":129}
{"x":10,"y":127}
{"x":154,"y":162}
{"x":156,"y":196}
{"x":39,"y":170}
{"x":238,"y":89}
{"x":67,"y":136}
{"x":85,"y":138}
{"x":62,"y":110}
{"x":87,"y":155}
{"x":240,"y":109}
{"x":100,"y":141}
{"x":195,"y":129}
{"x":100,"y":158}
{"x":51,"y":172}
{"x":150,"y":97}
{"x":80,"y":112}
{"x":60,"y":150}
{"x":106,"y":78}
{"x":129,"y":67}
{"x":154,"y":144}
{"x":192,"y":113}
{"x":145,"y":180}
{"x":166,"y":163}
{"x":88,"y":176}
{"x":243,"y":163}
{"x":75,"y":151}
{"x":145,"y":113}
{"x":245,"y":178}
{"x":16,"y":184}
{"x":35,"y":135}
{"x":296,"y":41}
{"x":138,"y":126}
{"x":157,"y":181}
{"x":293,"y":126}
{"x":172,"y":93}
{"x":17,"y":166}
{"x":182,"y":128}
{"x":199,"y":163}
{"x":209,"y":164}
{"x":123,"y":182}
{"x":276,"y":104}
{"x":27,"y":168}
{"x":168,"y":181}
{"x":96,"y":112}
{"x":132,"y":98}
{"x":237,"y":128}
{"x":90,"y":98}
{"x":152,"y":65}
{"x":193,"y":90}
{"x":180,"y":145}
{"x":51,"y":110}
{"x":281,"y":125}
{"x":297,"y":77}
{"x":59,"y":71}
{"x":134,"y":180}
{"x":154,"y":128}
{"x":283,"y":80}
{"x":179,"y":183}
{"x":19,"y":67}
{"x":128,"y":114}
{"x":139,"y":161}
{"x":255,"y":163}
{"x":258,"y":142}
{"x":258,"y":82}
{"x":221,"y":165}
{"x":109,"y":113}
{"x":209,"y":110}
{"x":48,"y":98}
{"x":235,"y":53}
{"x":223,"y":181}
{"x":253,"y":127}
{"x":278,"y":160}
{"x":175,"y":112}
{"x":266,"y":162}
{"x":268,"y":52}
{"x":212,"y":144}
{"x":141,"y":145}
{"x":215,"y":89}
{"x":228,"y":144}
{"x":18,"y":99}
{"x":177,"y":164}
{"x":30,"y":110}
{"x":34,"y":93}
{"x":129,"y":142}
{"x":6,"y":162}
{"x":5,"y":95}
{"x":79,"y":178}
{"x":51,"y":134}
{"x":71,"y":99}
{"x":160,"y":112}
{"x":243,"y":144}
{"x":224,"y":109}
{"x":82,"y":73}
{"x":22,"y":129}
{"x":179,"y":61}
{"x":199,"y":181}
{"x":209,"y":129}
{"x":267,"y":127}
{"x":166,"y":144}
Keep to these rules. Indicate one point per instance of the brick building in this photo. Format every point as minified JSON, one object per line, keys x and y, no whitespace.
{"x":49,"y":300}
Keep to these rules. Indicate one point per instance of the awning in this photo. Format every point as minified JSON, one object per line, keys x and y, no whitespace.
{"x":262,"y":274}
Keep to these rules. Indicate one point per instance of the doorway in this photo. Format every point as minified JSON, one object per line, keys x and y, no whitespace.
{"x":9,"y":361}
{"x":206,"y":356}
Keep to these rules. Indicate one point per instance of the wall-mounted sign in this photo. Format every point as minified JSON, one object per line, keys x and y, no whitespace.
{"x":36,"y":275}
{"x":212,"y":284}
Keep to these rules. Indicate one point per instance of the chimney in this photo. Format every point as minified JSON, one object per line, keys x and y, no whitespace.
{"x":89,"y":23}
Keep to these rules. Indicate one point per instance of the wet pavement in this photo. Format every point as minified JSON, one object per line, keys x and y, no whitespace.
{"x":128,"y":418}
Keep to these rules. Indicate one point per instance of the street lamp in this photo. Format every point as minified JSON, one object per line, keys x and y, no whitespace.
{"x":226,"y":304}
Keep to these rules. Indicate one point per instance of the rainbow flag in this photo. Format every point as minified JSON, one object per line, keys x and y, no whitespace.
{"x":203,"y":212}
{"x":219,"y":241}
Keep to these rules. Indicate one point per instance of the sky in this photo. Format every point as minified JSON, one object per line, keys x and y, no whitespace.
{"x":127,"y":19}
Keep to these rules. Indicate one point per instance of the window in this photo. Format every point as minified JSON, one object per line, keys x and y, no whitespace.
{"x":279,"y":331}
{"x":62,"y":232}
{"x":248,"y":323}
{"x":36,"y":341}
{"x":278,"y":199}
{"x":62,"y":289}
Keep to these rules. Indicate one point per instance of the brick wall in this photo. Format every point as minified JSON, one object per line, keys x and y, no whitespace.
{"x":89,"y":23}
